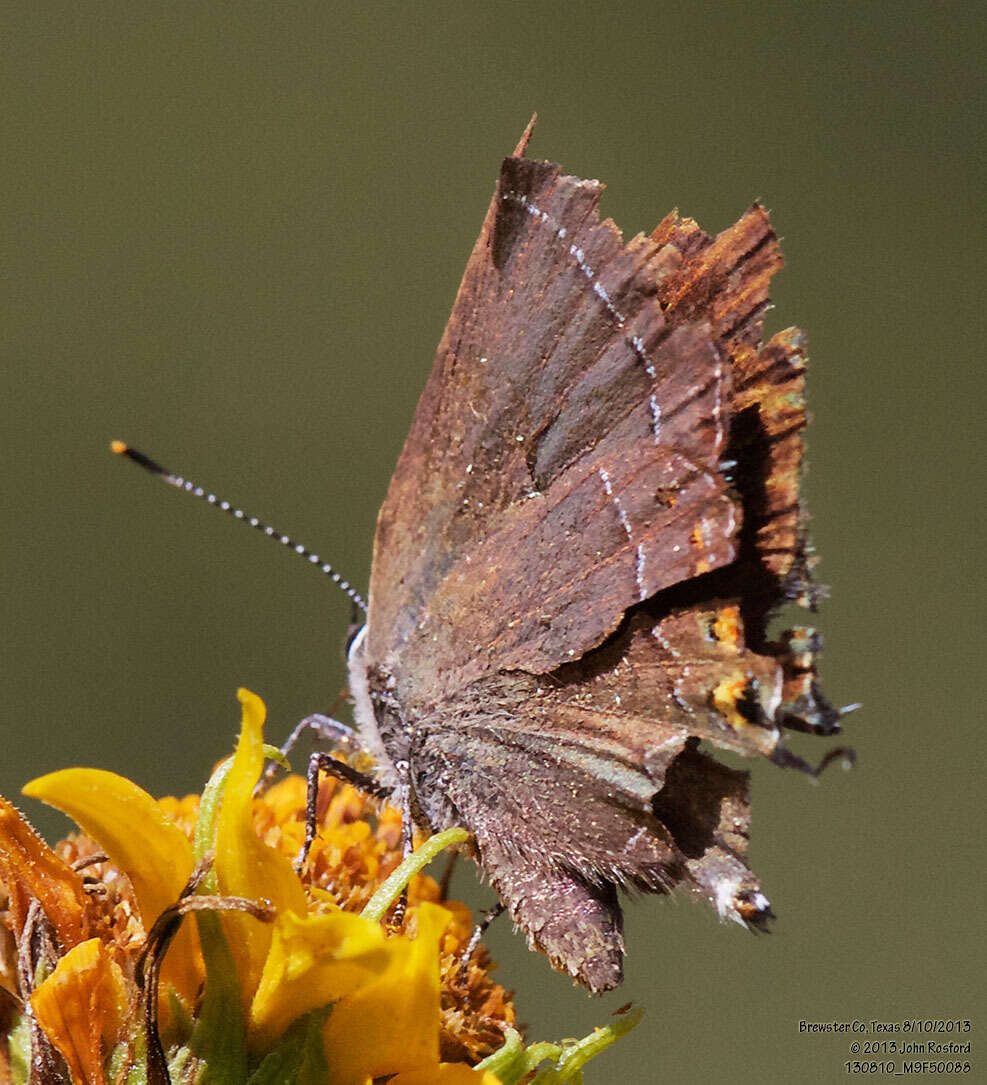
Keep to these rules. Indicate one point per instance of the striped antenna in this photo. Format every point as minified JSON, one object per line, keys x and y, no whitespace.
{"x":180,"y":483}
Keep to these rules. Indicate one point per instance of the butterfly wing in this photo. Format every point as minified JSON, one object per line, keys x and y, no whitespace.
{"x":593,"y":516}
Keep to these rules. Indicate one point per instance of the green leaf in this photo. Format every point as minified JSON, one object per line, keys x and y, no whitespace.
{"x":177,"y":1063}
{"x":205,"y":824}
{"x":19,"y":1050}
{"x":181,"y":1021}
{"x":388,"y":891}
{"x":513,"y":1062}
{"x":507,"y":1059}
{"x":298,"y":1057}
{"x":129,"y":1058}
{"x":576,"y":1055}
{"x":273,"y":753}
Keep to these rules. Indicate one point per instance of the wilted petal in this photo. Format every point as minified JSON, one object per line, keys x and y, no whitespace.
{"x":141,"y":841}
{"x":81,"y":1007}
{"x":30,"y":869}
{"x":391,"y":1024}
{"x":245,"y":866}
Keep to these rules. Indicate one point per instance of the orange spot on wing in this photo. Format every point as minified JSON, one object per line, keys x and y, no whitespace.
{"x":725,"y":698}
{"x":726,"y":628}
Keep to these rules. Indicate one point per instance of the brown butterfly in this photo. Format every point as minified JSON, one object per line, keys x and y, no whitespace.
{"x":594,"y":515}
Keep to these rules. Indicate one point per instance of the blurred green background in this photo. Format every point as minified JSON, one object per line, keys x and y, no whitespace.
{"x":232,"y":236}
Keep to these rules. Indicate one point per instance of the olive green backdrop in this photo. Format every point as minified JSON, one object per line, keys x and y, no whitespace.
{"x":232,"y":235}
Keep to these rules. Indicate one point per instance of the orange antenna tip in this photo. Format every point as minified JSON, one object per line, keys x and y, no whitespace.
{"x":118,"y":447}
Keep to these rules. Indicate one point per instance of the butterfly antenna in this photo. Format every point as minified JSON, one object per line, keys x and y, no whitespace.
{"x":155,"y":468}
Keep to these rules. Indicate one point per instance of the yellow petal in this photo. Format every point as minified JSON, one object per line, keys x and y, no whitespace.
{"x":446,"y":1073}
{"x":391,"y":1024}
{"x":30,"y":869}
{"x":245,"y":866}
{"x":314,"y":961}
{"x":80,"y":1005}
{"x":139,"y":838}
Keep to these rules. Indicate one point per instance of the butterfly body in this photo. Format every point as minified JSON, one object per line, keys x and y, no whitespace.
{"x":595,"y":512}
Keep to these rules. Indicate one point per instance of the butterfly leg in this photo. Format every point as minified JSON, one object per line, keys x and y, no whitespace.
{"x":332,"y":766}
{"x":402,"y":796}
{"x":331,"y":732}
{"x":478,"y":932}
{"x":788,"y":760}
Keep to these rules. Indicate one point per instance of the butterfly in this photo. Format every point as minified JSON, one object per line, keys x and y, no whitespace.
{"x":594,"y":515}
{"x":593,"y":520}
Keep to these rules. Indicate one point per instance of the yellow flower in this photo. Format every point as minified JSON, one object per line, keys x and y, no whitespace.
{"x":281,"y":978}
